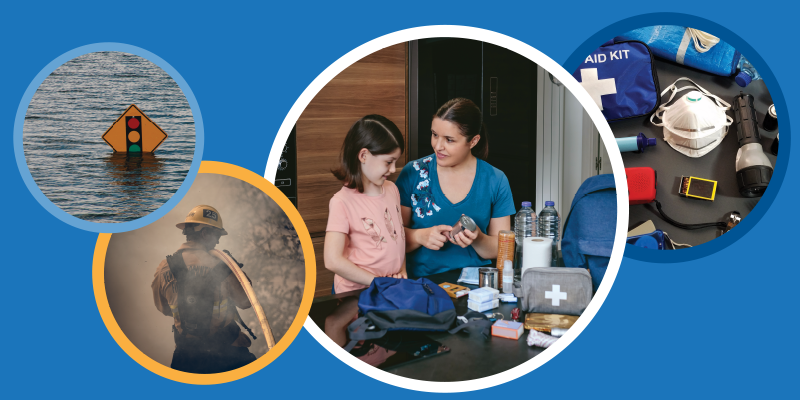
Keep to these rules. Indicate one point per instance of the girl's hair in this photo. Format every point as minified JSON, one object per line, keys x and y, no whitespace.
{"x":467,"y":117}
{"x":375,"y":133}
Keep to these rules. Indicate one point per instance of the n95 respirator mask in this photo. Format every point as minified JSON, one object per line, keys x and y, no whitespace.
{"x":696,"y":123}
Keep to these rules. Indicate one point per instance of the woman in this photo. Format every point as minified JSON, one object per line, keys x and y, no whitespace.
{"x":436,"y":190}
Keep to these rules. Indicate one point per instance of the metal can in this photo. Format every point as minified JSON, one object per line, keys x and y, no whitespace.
{"x":464,"y":223}
{"x":770,"y":122}
{"x":488,"y":277}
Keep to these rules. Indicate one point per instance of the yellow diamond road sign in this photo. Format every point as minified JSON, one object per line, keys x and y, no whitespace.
{"x":134,"y":132}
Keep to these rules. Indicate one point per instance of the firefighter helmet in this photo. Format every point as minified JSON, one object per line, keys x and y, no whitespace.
{"x":203,"y":215}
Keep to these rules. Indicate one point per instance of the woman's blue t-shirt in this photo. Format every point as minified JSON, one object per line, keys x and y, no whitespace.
{"x":489,"y":197}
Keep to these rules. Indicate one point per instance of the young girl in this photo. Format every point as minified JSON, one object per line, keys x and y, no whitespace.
{"x":365,"y":237}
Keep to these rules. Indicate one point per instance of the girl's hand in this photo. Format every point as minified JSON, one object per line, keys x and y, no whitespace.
{"x":466,"y":237}
{"x":434,"y":237}
{"x":399,"y":275}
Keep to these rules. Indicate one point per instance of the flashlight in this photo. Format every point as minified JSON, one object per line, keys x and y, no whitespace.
{"x":753,"y":168}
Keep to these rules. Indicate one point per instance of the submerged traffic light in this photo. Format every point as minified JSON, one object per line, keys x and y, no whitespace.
{"x":133,"y":134}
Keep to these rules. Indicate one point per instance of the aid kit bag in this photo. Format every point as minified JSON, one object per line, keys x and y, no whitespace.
{"x":621,"y":79}
{"x":689,"y":47}
{"x":590,"y":227}
{"x":554,"y":290}
{"x":696,"y":123}
{"x":390,"y":304}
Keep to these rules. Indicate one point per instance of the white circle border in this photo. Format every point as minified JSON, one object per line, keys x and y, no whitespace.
{"x":589,"y":106}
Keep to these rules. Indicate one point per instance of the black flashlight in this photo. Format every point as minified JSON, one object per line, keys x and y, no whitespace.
{"x":753,"y":168}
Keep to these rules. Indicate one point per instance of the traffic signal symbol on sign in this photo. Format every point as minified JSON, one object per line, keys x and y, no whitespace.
{"x":134,"y":132}
{"x":133,"y":137}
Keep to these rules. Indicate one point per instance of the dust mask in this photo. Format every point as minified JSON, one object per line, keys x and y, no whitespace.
{"x":696,"y":123}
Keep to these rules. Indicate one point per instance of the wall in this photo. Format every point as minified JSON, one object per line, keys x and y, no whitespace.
{"x":375,"y":84}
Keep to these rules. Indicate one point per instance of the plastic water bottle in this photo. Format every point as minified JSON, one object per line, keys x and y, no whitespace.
{"x":747,"y":73}
{"x":524,"y":227}
{"x":549,"y":222}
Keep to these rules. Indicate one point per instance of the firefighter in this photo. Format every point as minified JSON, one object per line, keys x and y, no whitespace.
{"x":201,"y":294}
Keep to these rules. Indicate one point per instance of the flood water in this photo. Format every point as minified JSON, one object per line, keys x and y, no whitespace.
{"x":65,"y":152}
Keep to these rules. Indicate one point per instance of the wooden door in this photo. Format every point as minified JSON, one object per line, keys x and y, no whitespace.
{"x":375,"y":84}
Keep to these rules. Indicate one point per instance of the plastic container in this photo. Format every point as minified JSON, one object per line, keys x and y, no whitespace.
{"x":524,"y":227}
{"x":747,"y":73}
{"x":549,"y":223}
{"x":505,"y":256}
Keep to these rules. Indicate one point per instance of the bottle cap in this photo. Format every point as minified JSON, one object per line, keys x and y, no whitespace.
{"x":549,"y":203}
{"x":743,"y":79}
{"x":526,"y":203}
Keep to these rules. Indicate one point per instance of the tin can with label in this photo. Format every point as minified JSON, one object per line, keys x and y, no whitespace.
{"x":464,"y":223}
{"x":488,"y":277}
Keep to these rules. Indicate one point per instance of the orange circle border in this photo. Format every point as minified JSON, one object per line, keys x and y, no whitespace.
{"x":98,"y":281}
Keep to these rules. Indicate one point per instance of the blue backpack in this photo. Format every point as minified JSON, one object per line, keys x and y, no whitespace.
{"x":391,"y":304}
{"x":590,"y":226}
{"x":621,"y":78}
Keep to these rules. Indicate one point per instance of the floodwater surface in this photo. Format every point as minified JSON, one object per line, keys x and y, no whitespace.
{"x":65,"y":152}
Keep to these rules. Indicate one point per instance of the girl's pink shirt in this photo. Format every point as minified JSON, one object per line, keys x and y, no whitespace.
{"x":375,"y":229}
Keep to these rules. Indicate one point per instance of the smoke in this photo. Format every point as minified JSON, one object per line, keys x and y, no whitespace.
{"x":260,"y":236}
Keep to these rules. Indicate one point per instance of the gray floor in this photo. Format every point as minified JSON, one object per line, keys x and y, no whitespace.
{"x":670,"y":165}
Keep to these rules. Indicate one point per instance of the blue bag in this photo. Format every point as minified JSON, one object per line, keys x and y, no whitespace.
{"x":621,"y":79}
{"x":675,"y":43}
{"x":590,"y":226}
{"x":391,"y":304}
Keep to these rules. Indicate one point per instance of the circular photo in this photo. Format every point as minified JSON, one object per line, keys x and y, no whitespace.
{"x":108,"y":137}
{"x":696,"y":126}
{"x":212,"y":288}
{"x":463,"y":209}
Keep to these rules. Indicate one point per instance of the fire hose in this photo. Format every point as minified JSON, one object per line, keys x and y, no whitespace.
{"x":251,"y":294}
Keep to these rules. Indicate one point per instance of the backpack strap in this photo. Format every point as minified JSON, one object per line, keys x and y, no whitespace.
{"x":359,"y":330}
{"x":176,"y":265}
{"x":474,"y":320}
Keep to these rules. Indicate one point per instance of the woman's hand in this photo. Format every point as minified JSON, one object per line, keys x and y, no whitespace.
{"x":465,"y":237}
{"x":434,"y":237}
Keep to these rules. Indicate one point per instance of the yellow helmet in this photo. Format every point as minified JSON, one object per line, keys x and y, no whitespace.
{"x":203,"y":215}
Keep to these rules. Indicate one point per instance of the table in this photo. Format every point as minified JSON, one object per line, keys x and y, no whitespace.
{"x":470,"y":357}
{"x":670,"y":165}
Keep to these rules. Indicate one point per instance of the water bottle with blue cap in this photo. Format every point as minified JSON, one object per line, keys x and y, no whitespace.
{"x":747,"y":73}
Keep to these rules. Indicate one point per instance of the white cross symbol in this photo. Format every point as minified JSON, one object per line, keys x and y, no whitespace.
{"x":595,"y":87}
{"x":557,"y":295}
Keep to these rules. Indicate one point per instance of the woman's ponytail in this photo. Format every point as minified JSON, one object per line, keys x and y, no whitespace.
{"x":481,"y":150}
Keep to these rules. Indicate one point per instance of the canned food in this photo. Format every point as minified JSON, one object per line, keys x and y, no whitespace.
{"x":488,"y":277}
{"x":464,"y":223}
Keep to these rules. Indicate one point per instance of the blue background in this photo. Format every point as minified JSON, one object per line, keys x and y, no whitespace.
{"x":723,"y":325}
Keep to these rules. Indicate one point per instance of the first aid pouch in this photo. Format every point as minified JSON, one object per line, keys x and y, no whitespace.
{"x":554,"y":290}
{"x":621,"y":78}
